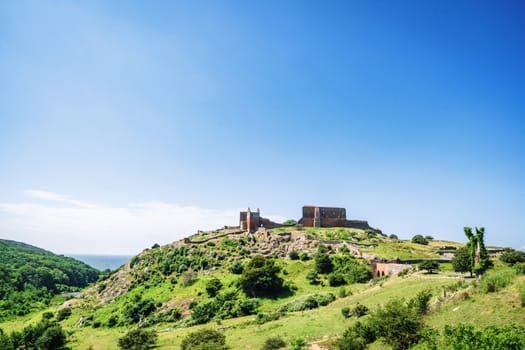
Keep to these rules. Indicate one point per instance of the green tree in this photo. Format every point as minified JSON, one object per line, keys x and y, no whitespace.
{"x":290,"y":222}
{"x":479,"y":257}
{"x":419,"y":239}
{"x":511,"y":256}
{"x":138,"y":339}
{"x":273,"y":343}
{"x":260,"y":277}
{"x":397,"y":324}
{"x":429,"y":265}
{"x":323,"y":263}
{"x":204,"y":339}
{"x":461,"y":261}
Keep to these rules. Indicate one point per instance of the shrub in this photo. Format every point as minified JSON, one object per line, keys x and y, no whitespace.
{"x":113,"y":320}
{"x":260,"y":277}
{"x":336,"y":279}
{"x":138,"y":339}
{"x":344,"y":292}
{"x":298,"y":344}
{"x":393,"y":236}
{"x":520,"y":268}
{"x":303,"y":256}
{"x":511,"y":256}
{"x":308,"y":302}
{"x":188,"y":277}
{"x":213,"y":286}
{"x":494,"y":281}
{"x":293,"y":255}
{"x":359,"y":310}
{"x":345,"y":311}
{"x":312,"y":277}
{"x":263,"y":317}
{"x":236,"y":268}
{"x":420,"y":301}
{"x":63,"y":313}
{"x":324,"y":299}
{"x":273,"y":343}
{"x":418,"y":239}
{"x":323,"y":264}
{"x":204,"y":339}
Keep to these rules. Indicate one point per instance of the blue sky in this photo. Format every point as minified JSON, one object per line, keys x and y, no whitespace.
{"x":127,"y":123}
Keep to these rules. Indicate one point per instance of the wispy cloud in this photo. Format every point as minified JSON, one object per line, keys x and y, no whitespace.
{"x":68,"y":225}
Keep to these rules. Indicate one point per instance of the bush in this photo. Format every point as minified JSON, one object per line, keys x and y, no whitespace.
{"x":204,"y":339}
{"x":308,"y":302}
{"x":392,"y":236}
{"x":336,"y":279}
{"x":494,"y":281}
{"x":236,"y":268}
{"x":293,"y":255}
{"x":303,"y":256}
{"x":522,"y":295}
{"x":213,"y":286}
{"x":323,"y":264}
{"x":312,"y":277}
{"x":260,"y":277}
{"x":420,"y":301}
{"x":511,"y":256}
{"x":344,"y":292}
{"x":263,"y":317}
{"x":359,"y":310}
{"x":63,"y":313}
{"x":273,"y":343}
{"x":138,"y":339}
{"x":298,"y":344}
{"x":418,"y":239}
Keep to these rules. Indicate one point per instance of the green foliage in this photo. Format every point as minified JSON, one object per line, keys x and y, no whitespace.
{"x":298,"y":344}
{"x":313,"y":277}
{"x":138,"y":339}
{"x":511,"y":256}
{"x":226,"y":305}
{"x":308,"y":302}
{"x":420,"y":302}
{"x":236,"y":268}
{"x":204,"y":339}
{"x":44,"y":335}
{"x":392,"y":236}
{"x":290,"y":222}
{"x":30,"y":277}
{"x":63,"y":313}
{"x":462,"y":261}
{"x":346,"y":312}
{"x":260,"y":277}
{"x":419,"y":239}
{"x":323,"y":263}
{"x":466,"y":337}
{"x":479,"y":258}
{"x":494,"y":281}
{"x":357,"y":337}
{"x":397,"y":324}
{"x":293,"y":255}
{"x":137,"y":310}
{"x":213,"y":286}
{"x":263,"y":317}
{"x":273,"y":343}
{"x":429,"y":265}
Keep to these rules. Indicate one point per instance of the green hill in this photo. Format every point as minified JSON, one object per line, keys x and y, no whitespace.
{"x":30,"y":277}
{"x":288,"y":283}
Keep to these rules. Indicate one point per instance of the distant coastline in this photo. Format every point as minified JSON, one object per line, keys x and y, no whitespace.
{"x":102,"y":262}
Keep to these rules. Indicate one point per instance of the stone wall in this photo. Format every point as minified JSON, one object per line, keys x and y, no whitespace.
{"x":380,"y":269}
{"x":326,"y":217}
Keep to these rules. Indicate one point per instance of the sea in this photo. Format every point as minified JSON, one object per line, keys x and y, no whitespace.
{"x":103,"y":262}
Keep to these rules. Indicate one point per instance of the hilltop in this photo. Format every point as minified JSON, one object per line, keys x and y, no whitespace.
{"x":315,"y":273}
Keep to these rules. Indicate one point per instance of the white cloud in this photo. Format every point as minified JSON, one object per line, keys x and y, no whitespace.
{"x":73,"y":226}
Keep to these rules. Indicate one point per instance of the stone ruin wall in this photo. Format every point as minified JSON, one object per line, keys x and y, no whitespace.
{"x":380,"y":269}
{"x":329,"y":217}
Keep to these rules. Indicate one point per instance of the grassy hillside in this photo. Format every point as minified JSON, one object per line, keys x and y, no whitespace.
{"x":168,"y":289}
